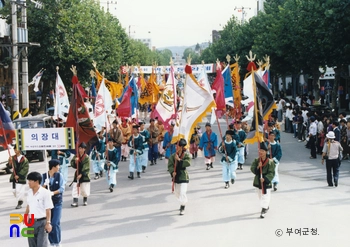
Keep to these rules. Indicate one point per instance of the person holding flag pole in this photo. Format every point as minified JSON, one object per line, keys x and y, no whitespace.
{"x":136,"y":150}
{"x":111,"y":164}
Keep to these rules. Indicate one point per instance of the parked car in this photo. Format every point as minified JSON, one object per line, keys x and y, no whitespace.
{"x":4,"y":157}
{"x":37,"y":121}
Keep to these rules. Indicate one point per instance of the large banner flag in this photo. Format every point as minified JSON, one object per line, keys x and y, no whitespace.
{"x":134,"y":96}
{"x":226,"y":73}
{"x":197,"y":103}
{"x":150,"y":92}
{"x":79,"y":119}
{"x":103,"y":105}
{"x":165,"y":109}
{"x":263,"y":106}
{"x":204,"y":82}
{"x":36,"y":79}
{"x":218,"y":88}
{"x":114,"y":88}
{"x":236,"y":84}
{"x":61,"y":99}
{"x":124,"y":108}
{"x":7,"y":132}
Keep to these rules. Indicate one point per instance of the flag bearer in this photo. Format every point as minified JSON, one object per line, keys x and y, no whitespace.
{"x":111,"y":164}
{"x":136,"y":150}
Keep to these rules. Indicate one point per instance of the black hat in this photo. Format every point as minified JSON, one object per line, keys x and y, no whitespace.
{"x":110,"y":139}
{"x":151,"y":120}
{"x":230,"y":132}
{"x":53,"y":163}
{"x":115,"y":122}
{"x":141,"y":122}
{"x":207,"y":124}
{"x":135,"y":126}
{"x":263,"y":146}
{"x":231,"y":126}
{"x":83,"y":145}
{"x":182,"y":142}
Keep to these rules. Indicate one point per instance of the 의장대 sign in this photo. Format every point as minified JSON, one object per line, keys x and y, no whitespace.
{"x":48,"y":139}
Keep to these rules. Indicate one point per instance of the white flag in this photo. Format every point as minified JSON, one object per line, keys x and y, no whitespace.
{"x":36,"y":79}
{"x":196,"y":104}
{"x":103,"y":105}
{"x":61,"y":99}
{"x":204,"y":82}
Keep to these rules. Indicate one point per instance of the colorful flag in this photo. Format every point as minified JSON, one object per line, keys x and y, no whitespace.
{"x":218,"y":87}
{"x":150,"y":92}
{"x":103,"y":104}
{"x":265,"y":96}
{"x":114,"y":88}
{"x":79,"y":119}
{"x":236,"y":84}
{"x":165,"y":109}
{"x":226,"y":73}
{"x":7,"y":132}
{"x":197,"y":103}
{"x":61,"y":99}
{"x":36,"y":79}
{"x":124,"y":108}
{"x":134,"y":96}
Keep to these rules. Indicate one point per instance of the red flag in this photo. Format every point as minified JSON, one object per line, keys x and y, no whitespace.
{"x":7,"y":132}
{"x":124,"y":109}
{"x":218,"y":86}
{"x":79,"y":119}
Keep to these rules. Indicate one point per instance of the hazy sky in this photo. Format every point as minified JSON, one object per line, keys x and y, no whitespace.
{"x":177,"y":22}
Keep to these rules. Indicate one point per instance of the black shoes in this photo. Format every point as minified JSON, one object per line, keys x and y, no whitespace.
{"x":85,"y":201}
{"x":131,"y":176}
{"x":96,"y":176}
{"x":240,"y":166}
{"x":232,"y":181}
{"x":143,"y":169}
{"x":336,"y":183}
{"x":111,"y":188}
{"x":227,"y":185}
{"x":275,"y":186}
{"x":263,"y":212}
{"x":211,"y":165}
{"x":182,"y":210}
{"x":101,"y":174}
{"x":19,"y":204}
{"x":138,"y":174}
{"x":75,"y":202}
{"x":151,"y":163}
{"x":208,"y":167}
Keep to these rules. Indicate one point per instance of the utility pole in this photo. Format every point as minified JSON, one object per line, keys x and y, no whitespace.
{"x":15,"y":105}
{"x":25,"y":93}
{"x":242,"y":10}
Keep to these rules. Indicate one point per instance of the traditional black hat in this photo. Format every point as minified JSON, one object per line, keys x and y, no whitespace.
{"x":182,"y":142}
{"x":207,"y":124}
{"x":263,"y":146}
{"x":83,"y":145}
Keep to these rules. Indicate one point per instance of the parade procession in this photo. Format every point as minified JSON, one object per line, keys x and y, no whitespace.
{"x":241,"y":140}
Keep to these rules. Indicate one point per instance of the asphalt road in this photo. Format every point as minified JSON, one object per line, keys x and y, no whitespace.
{"x":144,"y":212}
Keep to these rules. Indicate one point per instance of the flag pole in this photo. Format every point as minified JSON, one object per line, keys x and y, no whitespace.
{"x":257,"y":124}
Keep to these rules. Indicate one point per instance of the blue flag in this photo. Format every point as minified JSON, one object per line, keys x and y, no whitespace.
{"x":226,"y":73}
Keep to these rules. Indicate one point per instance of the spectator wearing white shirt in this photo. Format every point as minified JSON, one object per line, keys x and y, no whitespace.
{"x":280,"y":105}
{"x":312,"y":137}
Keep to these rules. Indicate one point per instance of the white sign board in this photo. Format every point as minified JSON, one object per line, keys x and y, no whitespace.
{"x":196,"y":68}
{"x":45,"y":138}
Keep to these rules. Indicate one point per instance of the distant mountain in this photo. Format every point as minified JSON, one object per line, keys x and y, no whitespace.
{"x":180,"y":49}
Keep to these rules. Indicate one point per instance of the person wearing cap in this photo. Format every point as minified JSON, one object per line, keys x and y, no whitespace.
{"x":312,"y":137}
{"x":275,"y":153}
{"x":229,"y":159}
{"x":39,"y":204}
{"x":330,"y":153}
{"x":153,"y":142}
{"x":208,"y":143}
{"x":136,"y":150}
{"x":241,"y":147}
{"x":126,"y":131}
{"x":54,"y":182}
{"x":111,"y":164}
{"x":145,"y":137}
{"x":117,"y":135}
{"x":264,"y":170}
{"x":20,"y":167}
{"x":177,"y":164}
{"x":81,"y":182}
{"x":98,"y":156}
{"x":169,"y":147}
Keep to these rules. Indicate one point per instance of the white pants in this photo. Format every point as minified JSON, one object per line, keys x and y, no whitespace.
{"x":84,"y":190}
{"x":137,"y":165}
{"x":112,"y":176}
{"x":180,"y":193}
{"x":210,"y":160}
{"x":241,"y":159}
{"x":125,"y":150}
{"x":144,"y":157}
{"x":229,"y":170}
{"x":276,"y":178}
{"x":19,"y":192}
{"x":97,"y":165}
{"x":160,"y":147}
{"x":264,"y":198}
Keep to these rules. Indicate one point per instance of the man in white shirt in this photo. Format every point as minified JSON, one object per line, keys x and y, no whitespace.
{"x":40,"y":205}
{"x":280,"y":105}
{"x":312,"y":137}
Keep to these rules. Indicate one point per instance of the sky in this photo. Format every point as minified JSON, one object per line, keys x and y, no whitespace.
{"x":178,"y":22}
